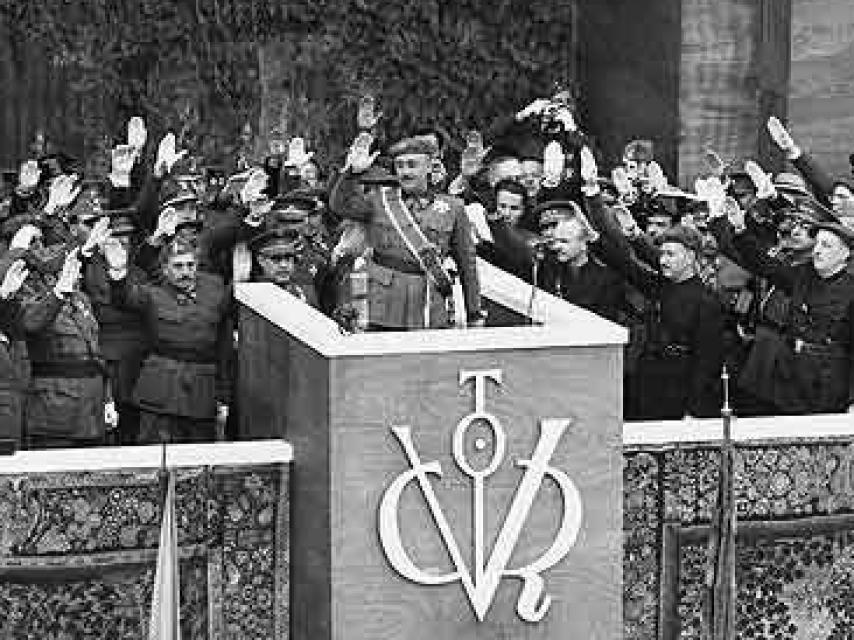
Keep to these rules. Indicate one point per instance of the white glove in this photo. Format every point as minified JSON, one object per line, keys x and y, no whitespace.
{"x":123,"y":157}
{"x":589,"y":170}
{"x":254,"y":186}
{"x":137,"y":133}
{"x":97,"y":236}
{"x":624,"y":185}
{"x":14,"y":279}
{"x":167,"y":155}
{"x":28,"y":175}
{"x":116,"y":256}
{"x":63,"y":192}
{"x":656,"y":180}
{"x":762,"y":181}
{"x":565,"y":117}
{"x":783,"y":139}
{"x":24,"y":236}
{"x":359,"y":157}
{"x":166,"y":223}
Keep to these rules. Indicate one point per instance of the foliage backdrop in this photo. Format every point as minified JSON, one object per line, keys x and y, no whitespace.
{"x":209,"y":68}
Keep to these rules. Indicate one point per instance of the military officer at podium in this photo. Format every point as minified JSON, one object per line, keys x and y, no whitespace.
{"x":410,"y":230}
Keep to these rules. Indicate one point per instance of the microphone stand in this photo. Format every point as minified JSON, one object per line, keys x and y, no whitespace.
{"x":539,"y":256}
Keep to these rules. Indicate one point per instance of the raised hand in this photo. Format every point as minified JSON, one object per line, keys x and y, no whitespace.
{"x":258,"y":210}
{"x":70,"y":273}
{"x":167,"y":155}
{"x":14,"y":279}
{"x":782,"y":138}
{"x":137,"y":133}
{"x":97,"y":236}
{"x":589,"y":170}
{"x":63,"y":191}
{"x":166,"y":223}
{"x":762,"y":181}
{"x":367,"y":116}
{"x":24,"y":236}
{"x":28,"y":175}
{"x":623,"y":184}
{"x":655,"y":179}
{"x":359,"y":157}
{"x":123,"y":158}
{"x":472,"y":157}
{"x":116,"y":256}
{"x":253,"y":188}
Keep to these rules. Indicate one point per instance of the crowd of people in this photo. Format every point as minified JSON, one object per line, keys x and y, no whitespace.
{"x":116,"y":302}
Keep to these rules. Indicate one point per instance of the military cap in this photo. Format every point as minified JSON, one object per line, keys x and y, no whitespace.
{"x":302,"y":199}
{"x":277,"y":241}
{"x":688,"y":237}
{"x":791,"y":184}
{"x":639,"y":151}
{"x":378,"y":175}
{"x":553,"y":212}
{"x":175,"y":192}
{"x":836,"y":228}
{"x":427,"y":144}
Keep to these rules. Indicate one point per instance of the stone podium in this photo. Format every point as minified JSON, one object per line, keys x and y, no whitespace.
{"x":446,"y":484}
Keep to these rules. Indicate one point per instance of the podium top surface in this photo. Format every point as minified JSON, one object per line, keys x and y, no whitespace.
{"x":557,"y":323}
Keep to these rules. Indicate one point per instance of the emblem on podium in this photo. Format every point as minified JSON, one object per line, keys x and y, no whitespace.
{"x":482,"y":580}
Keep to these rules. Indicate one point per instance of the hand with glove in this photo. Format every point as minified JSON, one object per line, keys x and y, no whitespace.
{"x":97,"y":236}
{"x":137,"y":134}
{"x":765,"y":189}
{"x":623,"y":184}
{"x":13,"y":280}
{"x":471,"y":161}
{"x":28,"y":176}
{"x":24,"y":237}
{"x":166,"y":225}
{"x":253,"y":188}
{"x":367,"y":117}
{"x":123,"y":159}
{"x":359,"y":157}
{"x":167,"y":155}
{"x":783,"y":139}
{"x":63,"y":191}
{"x":116,"y":256}
{"x":656,"y":181}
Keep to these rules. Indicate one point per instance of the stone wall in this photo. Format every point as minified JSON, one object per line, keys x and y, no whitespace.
{"x":821,"y":94}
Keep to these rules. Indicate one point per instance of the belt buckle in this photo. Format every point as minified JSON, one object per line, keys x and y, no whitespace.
{"x":799,"y":345}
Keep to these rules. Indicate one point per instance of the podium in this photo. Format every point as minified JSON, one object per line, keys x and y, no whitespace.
{"x":446,"y":483}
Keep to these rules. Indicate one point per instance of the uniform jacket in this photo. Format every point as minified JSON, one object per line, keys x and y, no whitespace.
{"x":396,"y":295}
{"x":187,"y":370}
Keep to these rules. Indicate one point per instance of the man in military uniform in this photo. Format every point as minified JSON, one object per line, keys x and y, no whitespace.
{"x":410,"y":230}
{"x":183,"y":391}
{"x":124,"y":342}
{"x":277,"y":253}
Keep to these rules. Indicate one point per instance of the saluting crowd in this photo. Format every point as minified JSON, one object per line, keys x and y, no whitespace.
{"x":117,"y":308}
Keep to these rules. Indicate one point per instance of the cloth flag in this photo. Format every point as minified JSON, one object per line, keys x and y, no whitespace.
{"x":164,"y":623}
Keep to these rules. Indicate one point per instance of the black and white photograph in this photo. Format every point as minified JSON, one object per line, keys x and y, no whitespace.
{"x":434,"y":320}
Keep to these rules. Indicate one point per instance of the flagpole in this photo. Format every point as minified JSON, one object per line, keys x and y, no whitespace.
{"x":719,"y":600}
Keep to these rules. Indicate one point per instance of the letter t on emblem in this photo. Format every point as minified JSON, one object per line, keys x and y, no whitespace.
{"x":480,"y":378}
